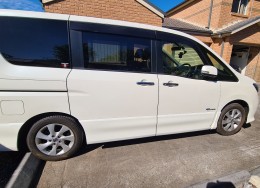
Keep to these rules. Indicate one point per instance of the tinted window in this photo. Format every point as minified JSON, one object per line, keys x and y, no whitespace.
{"x":115,"y":52}
{"x":34,"y":42}
{"x":181,"y":58}
{"x":224,"y":74}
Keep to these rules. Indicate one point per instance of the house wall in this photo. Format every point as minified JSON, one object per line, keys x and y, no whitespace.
{"x":227,"y":17}
{"x":195,"y":12}
{"x":206,"y":39}
{"x":227,"y":47}
{"x":255,"y":8}
{"x":250,"y":35}
{"x":253,"y":66}
{"x":198,"y":12}
{"x":127,"y":10}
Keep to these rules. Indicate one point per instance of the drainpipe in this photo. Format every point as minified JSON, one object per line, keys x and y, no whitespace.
{"x":210,"y":13}
{"x":222,"y":47}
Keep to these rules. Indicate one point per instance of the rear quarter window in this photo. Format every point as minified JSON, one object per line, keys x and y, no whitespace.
{"x":34,"y":42}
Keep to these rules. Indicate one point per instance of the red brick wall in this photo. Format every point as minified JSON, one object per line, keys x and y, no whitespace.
{"x":205,"y":39}
{"x":128,"y":10}
{"x":198,"y":12}
{"x":228,"y":17}
{"x":228,"y":47}
{"x":216,"y":45}
{"x":255,"y":8}
{"x":250,"y":35}
{"x":253,"y":66}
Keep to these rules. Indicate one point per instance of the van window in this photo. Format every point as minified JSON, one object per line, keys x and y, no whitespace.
{"x":34,"y":42}
{"x":181,"y":58}
{"x":224,"y":74}
{"x":115,"y":52}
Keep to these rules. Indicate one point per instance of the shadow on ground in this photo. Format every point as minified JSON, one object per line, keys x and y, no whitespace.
{"x":9,"y":161}
{"x":92,"y":147}
{"x":220,"y":185}
{"x":89,"y":148}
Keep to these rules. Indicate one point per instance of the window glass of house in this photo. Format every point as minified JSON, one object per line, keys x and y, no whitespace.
{"x":116,"y":52}
{"x":34,"y":42}
{"x":181,"y":59}
{"x":239,"y":6}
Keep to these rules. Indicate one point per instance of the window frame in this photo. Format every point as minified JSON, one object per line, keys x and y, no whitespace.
{"x":76,"y":40}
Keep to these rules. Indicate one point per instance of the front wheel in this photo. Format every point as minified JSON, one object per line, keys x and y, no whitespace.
{"x":231,"y":119}
{"x":55,"y":138}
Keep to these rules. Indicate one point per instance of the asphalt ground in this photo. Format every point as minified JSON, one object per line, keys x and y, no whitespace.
{"x":168,"y":161}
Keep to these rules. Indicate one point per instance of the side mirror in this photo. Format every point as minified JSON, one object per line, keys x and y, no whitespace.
{"x":209,"y":71}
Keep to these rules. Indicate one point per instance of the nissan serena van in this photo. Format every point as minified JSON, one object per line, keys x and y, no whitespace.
{"x":68,"y":80}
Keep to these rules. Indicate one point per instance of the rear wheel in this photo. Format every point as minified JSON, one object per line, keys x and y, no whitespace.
{"x":231,"y":120}
{"x":55,"y":138}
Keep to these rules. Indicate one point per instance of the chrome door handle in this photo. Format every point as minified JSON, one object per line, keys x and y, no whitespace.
{"x":171,"y":84}
{"x":145,"y":83}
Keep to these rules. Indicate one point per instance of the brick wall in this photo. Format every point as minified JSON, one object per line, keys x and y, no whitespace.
{"x":228,"y":47}
{"x":253,"y":66}
{"x":205,"y":39}
{"x":227,"y":50}
{"x":198,"y":12}
{"x":216,"y":45}
{"x":256,"y":76}
{"x":228,"y":17}
{"x":255,"y":11}
{"x":128,"y":10}
{"x":250,"y":35}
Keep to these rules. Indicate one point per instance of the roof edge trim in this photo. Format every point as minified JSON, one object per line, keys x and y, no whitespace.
{"x":245,"y":26}
{"x":151,"y":8}
{"x":46,"y":1}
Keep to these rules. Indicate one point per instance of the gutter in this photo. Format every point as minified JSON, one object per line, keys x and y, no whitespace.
{"x":209,"y":33}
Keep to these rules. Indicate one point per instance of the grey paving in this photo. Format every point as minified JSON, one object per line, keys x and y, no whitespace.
{"x":170,"y":161}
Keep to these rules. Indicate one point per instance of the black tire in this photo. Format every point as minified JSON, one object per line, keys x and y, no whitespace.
{"x":228,"y":108}
{"x":58,"y":120}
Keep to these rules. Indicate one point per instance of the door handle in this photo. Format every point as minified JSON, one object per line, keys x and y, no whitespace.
{"x":171,"y":84}
{"x":145,"y":83}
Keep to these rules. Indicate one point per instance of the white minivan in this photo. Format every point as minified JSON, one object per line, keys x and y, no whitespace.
{"x":68,"y":80}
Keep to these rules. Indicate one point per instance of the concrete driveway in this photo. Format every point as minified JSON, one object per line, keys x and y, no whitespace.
{"x":169,"y":161}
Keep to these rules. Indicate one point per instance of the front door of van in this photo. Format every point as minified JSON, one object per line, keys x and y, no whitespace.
{"x":187,"y":102}
{"x":115,"y":94}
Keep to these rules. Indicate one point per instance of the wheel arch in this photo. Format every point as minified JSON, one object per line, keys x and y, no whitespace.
{"x":23,"y":132}
{"x":241,"y":102}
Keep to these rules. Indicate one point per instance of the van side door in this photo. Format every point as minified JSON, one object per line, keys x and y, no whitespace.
{"x":187,"y":100}
{"x":113,"y":87}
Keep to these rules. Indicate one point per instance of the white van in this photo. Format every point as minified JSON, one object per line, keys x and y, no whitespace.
{"x":67,"y":80}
